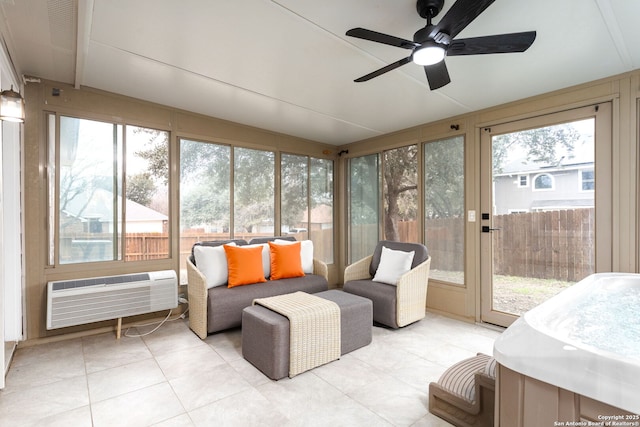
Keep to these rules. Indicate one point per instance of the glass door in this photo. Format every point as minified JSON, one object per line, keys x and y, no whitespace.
{"x":547,"y":196}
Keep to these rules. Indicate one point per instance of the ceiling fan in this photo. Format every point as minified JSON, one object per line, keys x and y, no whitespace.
{"x":432,"y":43}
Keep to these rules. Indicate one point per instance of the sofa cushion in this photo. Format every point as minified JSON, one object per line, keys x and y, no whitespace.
{"x":225,"y":304}
{"x":212,"y":262}
{"x":306,"y":253}
{"x":259,"y":240}
{"x":382,"y":295}
{"x":266,"y":257}
{"x":421,"y":253}
{"x":245,"y":265}
{"x":285,"y":261}
{"x":238,"y":242}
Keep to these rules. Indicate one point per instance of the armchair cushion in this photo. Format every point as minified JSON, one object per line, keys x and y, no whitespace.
{"x":420,"y":256}
{"x":381,"y":295}
{"x":394,"y":306}
{"x":393,"y":264}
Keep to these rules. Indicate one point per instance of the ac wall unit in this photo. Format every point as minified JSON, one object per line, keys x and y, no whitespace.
{"x":80,"y":301}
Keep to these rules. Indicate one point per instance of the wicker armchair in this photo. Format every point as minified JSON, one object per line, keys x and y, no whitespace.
{"x":394,"y":306}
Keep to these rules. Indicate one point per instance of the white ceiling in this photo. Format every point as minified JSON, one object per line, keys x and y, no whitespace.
{"x":286,"y":65}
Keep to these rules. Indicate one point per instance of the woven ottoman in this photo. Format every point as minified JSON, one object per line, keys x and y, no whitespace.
{"x":265,"y":333}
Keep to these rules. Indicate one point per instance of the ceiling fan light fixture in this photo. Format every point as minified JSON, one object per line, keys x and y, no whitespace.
{"x":430,"y":53}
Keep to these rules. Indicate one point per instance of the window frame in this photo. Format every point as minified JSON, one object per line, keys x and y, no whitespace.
{"x":581,"y":180}
{"x":461,"y":282}
{"x":52,"y":190}
{"x":309,"y":162}
{"x":534,"y":187}
{"x":526,"y":179}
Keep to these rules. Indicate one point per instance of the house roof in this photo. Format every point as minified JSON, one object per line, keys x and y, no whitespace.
{"x":100,"y":206}
{"x":519,"y":167}
{"x":287,"y":65}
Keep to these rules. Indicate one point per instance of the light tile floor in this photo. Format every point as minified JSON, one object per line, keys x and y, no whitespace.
{"x":172,"y":378}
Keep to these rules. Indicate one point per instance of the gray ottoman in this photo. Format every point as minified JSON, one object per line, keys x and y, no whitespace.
{"x":265,"y":333}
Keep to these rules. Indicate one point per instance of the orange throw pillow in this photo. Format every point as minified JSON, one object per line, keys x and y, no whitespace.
{"x":285,"y":261}
{"x":245,"y":265}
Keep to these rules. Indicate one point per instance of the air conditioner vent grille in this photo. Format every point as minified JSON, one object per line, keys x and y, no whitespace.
{"x":100,"y":281}
{"x":77,"y":302}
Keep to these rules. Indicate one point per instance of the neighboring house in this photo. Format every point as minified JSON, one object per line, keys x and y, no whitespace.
{"x":96,"y":215}
{"x":530,"y":188}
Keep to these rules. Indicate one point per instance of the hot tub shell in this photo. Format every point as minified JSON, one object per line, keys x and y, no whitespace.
{"x":585,"y":340}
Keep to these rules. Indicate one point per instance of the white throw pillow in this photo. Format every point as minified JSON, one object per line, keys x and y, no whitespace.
{"x":266,"y":257}
{"x":393,"y":264}
{"x":212,"y":262}
{"x":306,"y":253}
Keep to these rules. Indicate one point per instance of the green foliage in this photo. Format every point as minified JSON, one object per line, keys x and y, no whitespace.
{"x":254,"y":187}
{"x":204,"y":184}
{"x":540,"y":145}
{"x":444,"y":178}
{"x":155,"y":150}
{"x":294,"y":180}
{"x":363,"y":186}
{"x":141,"y":188}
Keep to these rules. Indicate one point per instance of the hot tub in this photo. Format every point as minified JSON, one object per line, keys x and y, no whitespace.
{"x":586,"y":340}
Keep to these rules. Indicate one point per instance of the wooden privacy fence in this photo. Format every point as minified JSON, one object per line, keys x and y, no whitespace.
{"x":548,"y":245}
{"x":445,"y":242}
{"x":146,"y":246}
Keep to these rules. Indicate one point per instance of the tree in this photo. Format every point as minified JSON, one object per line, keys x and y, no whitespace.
{"x":444,"y":178}
{"x":153,"y":146}
{"x":400,"y":188}
{"x":254,"y":188}
{"x":204,"y":184}
{"x":141,"y":188}
{"x":364,"y":181}
{"x":541,"y":145}
{"x":294,"y":202}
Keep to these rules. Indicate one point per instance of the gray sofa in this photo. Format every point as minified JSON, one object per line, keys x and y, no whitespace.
{"x":220,"y":308}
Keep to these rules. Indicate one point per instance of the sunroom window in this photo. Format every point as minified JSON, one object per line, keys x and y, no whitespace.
{"x":108,"y":191}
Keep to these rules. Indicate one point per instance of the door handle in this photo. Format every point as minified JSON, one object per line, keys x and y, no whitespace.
{"x":487,"y":229}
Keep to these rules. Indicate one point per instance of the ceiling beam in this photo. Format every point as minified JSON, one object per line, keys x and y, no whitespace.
{"x":610,"y":20}
{"x":85,"y":13}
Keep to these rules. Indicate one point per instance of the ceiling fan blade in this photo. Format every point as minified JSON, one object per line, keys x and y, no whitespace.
{"x":437,"y":75}
{"x":460,"y":15}
{"x":384,"y":69}
{"x":375,"y":36}
{"x":502,"y":43}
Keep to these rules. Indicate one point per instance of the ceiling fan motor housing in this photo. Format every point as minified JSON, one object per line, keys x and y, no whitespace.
{"x":429,"y":8}
{"x":431,"y":33}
